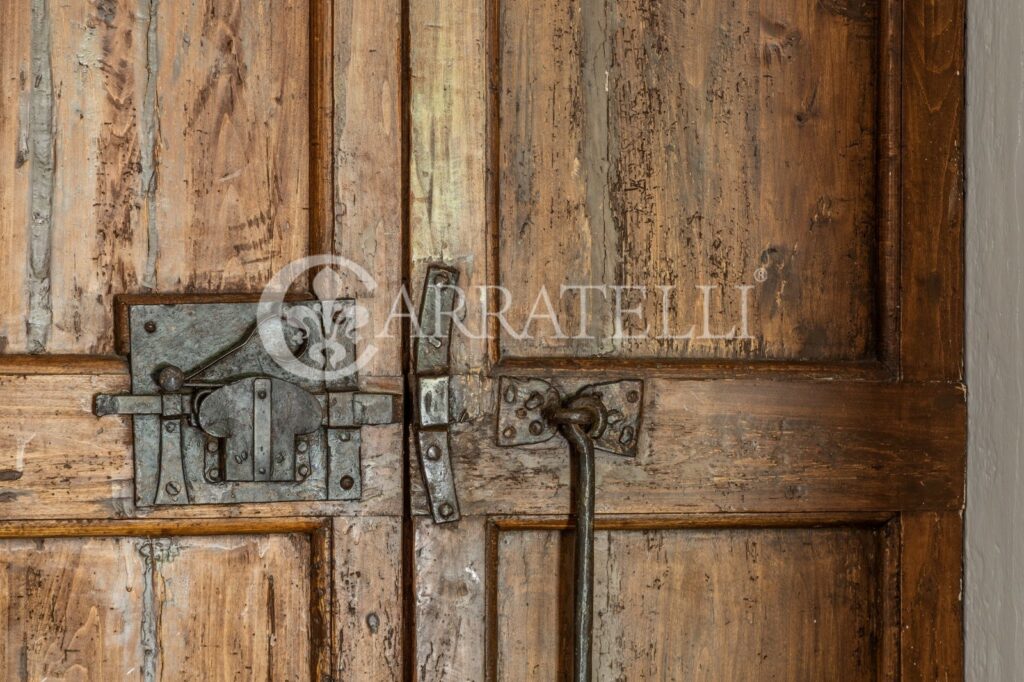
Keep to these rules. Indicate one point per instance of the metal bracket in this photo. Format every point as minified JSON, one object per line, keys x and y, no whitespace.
{"x":217,"y":419}
{"x":433,"y":348}
{"x":524,"y":402}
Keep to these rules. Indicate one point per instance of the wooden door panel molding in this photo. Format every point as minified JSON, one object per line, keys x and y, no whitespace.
{"x":118,"y":597}
{"x":684,"y":602}
{"x":744,"y":445}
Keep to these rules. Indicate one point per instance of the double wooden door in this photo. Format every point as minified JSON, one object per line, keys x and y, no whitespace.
{"x":762,"y":200}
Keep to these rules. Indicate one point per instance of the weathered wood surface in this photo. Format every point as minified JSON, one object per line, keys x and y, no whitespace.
{"x":72,"y":608}
{"x":693,"y":604}
{"x":368,"y":189}
{"x":691,"y":144}
{"x":932,"y":320}
{"x":16,"y":165}
{"x":107,"y":608}
{"x":57,"y":460}
{"x":931,"y":596}
{"x":167,"y":149}
{"x":739,"y":446}
{"x":448,"y":165}
{"x":449,"y":584}
{"x":250,"y":615}
{"x":368,"y":618}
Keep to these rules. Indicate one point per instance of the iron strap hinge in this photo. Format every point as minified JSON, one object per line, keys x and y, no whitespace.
{"x":432,"y":409}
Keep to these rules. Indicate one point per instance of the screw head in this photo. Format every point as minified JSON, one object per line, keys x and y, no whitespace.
{"x":212,"y":446}
{"x":171,"y":427}
{"x":433,"y":453}
{"x":536,"y":428}
{"x":171,"y":378}
{"x":509,"y":432}
{"x":633,"y":396}
{"x":150,"y":326}
{"x":303,"y":471}
{"x":347,"y":482}
{"x":172,"y":489}
{"x":213,"y":474}
{"x":345,"y":436}
{"x":302,"y":446}
{"x":262,"y":395}
{"x":446,"y":510}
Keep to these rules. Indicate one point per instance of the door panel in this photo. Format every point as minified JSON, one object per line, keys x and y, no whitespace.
{"x":168,"y":163}
{"x":811,"y":151}
{"x":695,"y":604}
{"x":795,"y":498}
{"x":189,"y":148}
{"x":688,"y":145}
{"x":112,"y":607}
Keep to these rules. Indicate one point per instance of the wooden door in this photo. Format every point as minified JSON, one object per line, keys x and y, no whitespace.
{"x":786,"y":167}
{"x":789,"y":170}
{"x":190,"y":147}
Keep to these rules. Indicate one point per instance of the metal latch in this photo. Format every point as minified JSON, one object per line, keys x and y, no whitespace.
{"x":602,"y":417}
{"x":432,"y":360}
{"x":218,"y":418}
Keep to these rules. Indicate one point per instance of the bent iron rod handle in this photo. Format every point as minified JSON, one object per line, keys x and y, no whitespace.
{"x":582,"y":447}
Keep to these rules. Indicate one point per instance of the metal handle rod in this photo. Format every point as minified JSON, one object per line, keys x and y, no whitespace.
{"x":582,"y":448}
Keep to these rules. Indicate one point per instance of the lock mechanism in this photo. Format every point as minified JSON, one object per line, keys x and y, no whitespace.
{"x":231,"y":406}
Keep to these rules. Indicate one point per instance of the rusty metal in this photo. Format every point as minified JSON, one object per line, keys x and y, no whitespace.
{"x":217,"y":420}
{"x":524,"y":404}
{"x":602,"y":416}
{"x":433,"y":419}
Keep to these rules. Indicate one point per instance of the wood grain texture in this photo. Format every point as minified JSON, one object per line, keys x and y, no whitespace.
{"x":250,"y":616}
{"x":931,"y":596}
{"x":157,"y":609}
{"x":448,"y":153}
{"x":932,"y":321}
{"x":368,"y":164}
{"x":695,"y":604}
{"x":71,"y":609}
{"x":368,"y":580}
{"x":449,"y":581}
{"x":15,"y":88}
{"x":57,"y":460}
{"x":233,"y":123}
{"x":647,"y":145}
{"x":738,"y":446}
{"x":181,"y":159}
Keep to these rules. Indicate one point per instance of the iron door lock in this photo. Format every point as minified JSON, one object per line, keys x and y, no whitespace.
{"x":218,"y":418}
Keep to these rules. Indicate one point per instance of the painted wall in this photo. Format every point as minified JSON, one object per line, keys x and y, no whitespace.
{"x":994,"y":589}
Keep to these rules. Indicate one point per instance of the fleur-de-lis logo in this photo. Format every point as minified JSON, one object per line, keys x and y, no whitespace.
{"x":330,"y":326}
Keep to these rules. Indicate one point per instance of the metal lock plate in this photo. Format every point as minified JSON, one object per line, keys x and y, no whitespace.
{"x":217,"y":418}
{"x":522,"y":421}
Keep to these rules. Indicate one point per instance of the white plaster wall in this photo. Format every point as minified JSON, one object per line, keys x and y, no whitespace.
{"x":994,"y":583}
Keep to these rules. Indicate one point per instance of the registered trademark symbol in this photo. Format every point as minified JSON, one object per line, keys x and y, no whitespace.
{"x":761,"y":275}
